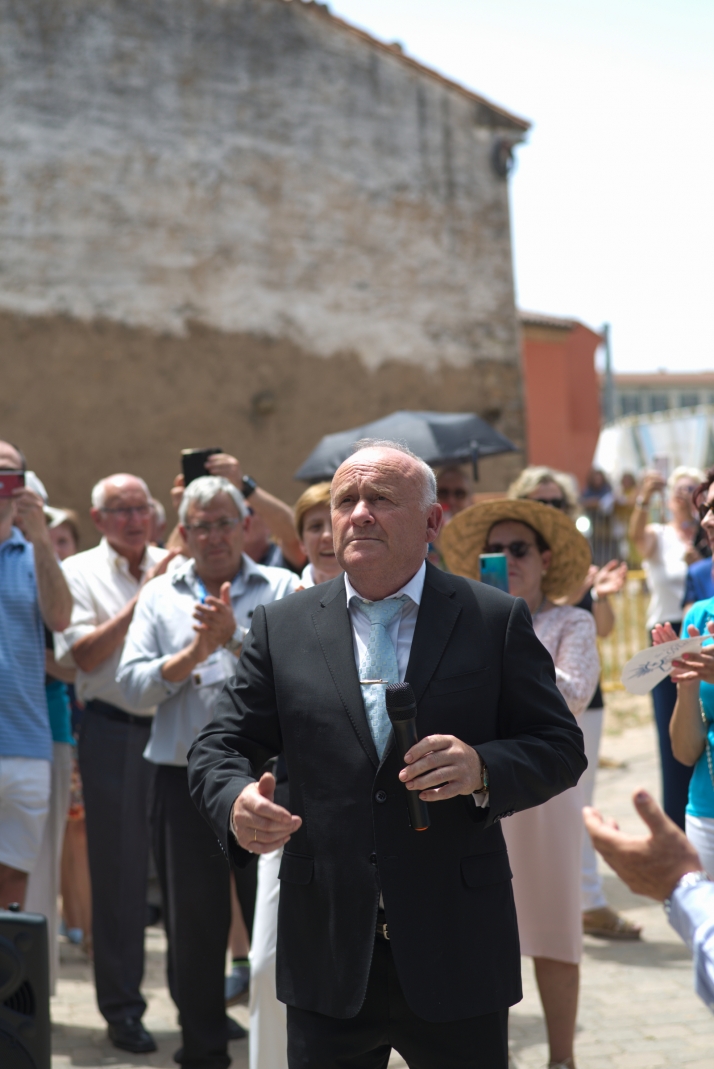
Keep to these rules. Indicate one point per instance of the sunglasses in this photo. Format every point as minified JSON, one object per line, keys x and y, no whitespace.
{"x":519,"y":549}
{"x":704,"y":510}
{"x":555,"y":502}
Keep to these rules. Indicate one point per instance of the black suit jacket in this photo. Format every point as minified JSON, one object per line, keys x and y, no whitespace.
{"x":479,"y":673}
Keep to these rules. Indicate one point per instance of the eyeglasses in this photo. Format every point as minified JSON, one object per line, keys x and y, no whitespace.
{"x":554,"y":502}
{"x":445,"y":492}
{"x":223,"y":526}
{"x":519,"y":549}
{"x":126,"y":513}
{"x":704,"y":510}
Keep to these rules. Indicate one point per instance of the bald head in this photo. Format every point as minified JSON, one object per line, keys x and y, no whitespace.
{"x":393,"y":455}
{"x":121,"y":510}
{"x":384,"y":514}
{"x":116,"y":484}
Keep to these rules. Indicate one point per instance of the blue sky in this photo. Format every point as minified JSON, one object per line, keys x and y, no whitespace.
{"x":613,"y":195}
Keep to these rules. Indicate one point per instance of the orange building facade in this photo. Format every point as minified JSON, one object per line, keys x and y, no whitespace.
{"x":562,"y":392}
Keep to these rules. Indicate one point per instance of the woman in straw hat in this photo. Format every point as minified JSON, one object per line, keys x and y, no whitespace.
{"x":555,"y":488}
{"x":547,"y":558}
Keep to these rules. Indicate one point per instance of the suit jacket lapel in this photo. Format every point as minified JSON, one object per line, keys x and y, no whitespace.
{"x":438,"y":613}
{"x":332,"y":623}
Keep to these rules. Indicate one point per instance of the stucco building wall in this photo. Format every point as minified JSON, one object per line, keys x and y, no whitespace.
{"x":206,"y":200}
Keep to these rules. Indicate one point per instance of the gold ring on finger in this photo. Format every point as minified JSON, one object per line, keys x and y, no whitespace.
{"x":255,"y":835}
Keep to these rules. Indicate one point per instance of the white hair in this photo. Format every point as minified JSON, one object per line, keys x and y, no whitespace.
{"x":99,"y":490}
{"x":202,"y":492}
{"x":683,"y":472}
{"x":428,"y":496}
{"x":159,"y":510}
{"x":533,"y":477}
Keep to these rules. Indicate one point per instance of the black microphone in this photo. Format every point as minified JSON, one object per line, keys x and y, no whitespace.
{"x":402,"y":710}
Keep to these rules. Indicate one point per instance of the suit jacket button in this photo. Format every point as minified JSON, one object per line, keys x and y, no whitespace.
{"x":381,"y":796}
{"x":373,"y":859}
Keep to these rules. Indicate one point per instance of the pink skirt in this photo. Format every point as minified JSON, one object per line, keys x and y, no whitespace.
{"x":544,"y":848}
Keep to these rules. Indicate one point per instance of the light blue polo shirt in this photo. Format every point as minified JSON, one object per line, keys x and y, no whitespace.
{"x":24,"y":719}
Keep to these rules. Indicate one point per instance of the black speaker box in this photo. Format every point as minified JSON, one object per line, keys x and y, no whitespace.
{"x":24,"y":991}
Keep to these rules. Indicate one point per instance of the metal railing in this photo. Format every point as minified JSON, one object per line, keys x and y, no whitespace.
{"x":629,"y":633}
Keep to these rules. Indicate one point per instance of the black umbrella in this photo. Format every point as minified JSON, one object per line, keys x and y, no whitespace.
{"x":436,"y":437}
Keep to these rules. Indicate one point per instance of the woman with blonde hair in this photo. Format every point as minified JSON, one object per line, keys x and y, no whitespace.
{"x":547,"y":558}
{"x":552,"y":487}
{"x":313,"y":523}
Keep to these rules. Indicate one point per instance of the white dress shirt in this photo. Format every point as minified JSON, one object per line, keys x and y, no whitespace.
{"x":163,"y":626}
{"x":400,"y":631}
{"x":691,"y":914}
{"x":101,"y":584}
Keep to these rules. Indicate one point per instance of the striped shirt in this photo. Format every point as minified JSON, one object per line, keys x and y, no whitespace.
{"x":24,"y":720}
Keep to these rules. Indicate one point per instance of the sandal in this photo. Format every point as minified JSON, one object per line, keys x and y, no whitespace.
{"x":606,"y":923}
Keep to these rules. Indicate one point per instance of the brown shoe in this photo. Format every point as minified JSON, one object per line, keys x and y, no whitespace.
{"x":606,"y":923}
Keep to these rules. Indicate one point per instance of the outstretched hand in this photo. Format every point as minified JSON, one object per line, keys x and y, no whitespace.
{"x":260,"y":825}
{"x":652,"y":865}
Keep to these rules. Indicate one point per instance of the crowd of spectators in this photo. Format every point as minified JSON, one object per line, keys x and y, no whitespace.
{"x":112,"y":659}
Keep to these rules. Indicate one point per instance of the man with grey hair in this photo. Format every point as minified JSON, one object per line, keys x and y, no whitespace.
{"x":182,"y":645}
{"x":388,"y":938}
{"x":105,"y":584}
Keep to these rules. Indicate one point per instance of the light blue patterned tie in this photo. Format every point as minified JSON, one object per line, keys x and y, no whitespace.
{"x":379,"y":662}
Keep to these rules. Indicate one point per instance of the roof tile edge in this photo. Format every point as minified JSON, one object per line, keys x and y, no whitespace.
{"x":323,"y":11}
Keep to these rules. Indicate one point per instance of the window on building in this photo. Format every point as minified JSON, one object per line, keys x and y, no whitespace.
{"x":659,"y":402}
{"x":630,"y":404}
{"x":688,"y":400}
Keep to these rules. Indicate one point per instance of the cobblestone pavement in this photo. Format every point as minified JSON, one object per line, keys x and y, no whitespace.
{"x":637,"y":1006}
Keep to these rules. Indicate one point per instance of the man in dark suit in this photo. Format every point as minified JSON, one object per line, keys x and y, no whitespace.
{"x":496,"y":737}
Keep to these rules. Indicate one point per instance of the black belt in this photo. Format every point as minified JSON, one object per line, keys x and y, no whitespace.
{"x":382,"y":926}
{"x":112,"y":712}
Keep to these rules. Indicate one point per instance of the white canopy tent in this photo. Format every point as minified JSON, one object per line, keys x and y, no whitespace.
{"x":663,"y":440}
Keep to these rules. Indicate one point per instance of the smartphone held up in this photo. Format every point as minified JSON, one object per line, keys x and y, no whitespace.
{"x":193,"y":463}
{"x":11,"y":481}
{"x":494,"y":570}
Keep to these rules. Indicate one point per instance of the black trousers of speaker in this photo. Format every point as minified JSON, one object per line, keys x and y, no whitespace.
{"x":24,"y":991}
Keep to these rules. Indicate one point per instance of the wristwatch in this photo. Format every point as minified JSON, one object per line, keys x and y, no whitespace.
{"x":248,"y":486}
{"x":688,"y":880}
{"x":235,"y":643}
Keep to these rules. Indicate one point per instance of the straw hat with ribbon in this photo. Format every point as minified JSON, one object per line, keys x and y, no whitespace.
{"x":465,"y":537}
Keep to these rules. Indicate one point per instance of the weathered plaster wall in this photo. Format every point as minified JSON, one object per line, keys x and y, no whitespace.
{"x":86,"y":399}
{"x":204,"y":200}
{"x":249,"y":165}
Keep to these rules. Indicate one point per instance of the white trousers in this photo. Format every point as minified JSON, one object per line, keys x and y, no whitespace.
{"x":591,"y":885}
{"x":43,"y":883}
{"x":700,"y":832}
{"x":268,"y":1042}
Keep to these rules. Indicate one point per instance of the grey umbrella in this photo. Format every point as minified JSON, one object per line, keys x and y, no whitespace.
{"x":436,"y":437}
